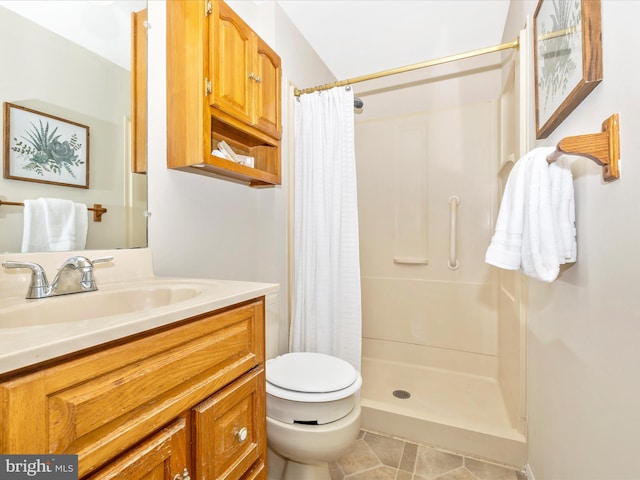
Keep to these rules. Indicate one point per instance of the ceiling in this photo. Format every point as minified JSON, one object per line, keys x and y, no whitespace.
{"x":353,"y":37}
{"x":102,"y":26}
{"x":359,"y":37}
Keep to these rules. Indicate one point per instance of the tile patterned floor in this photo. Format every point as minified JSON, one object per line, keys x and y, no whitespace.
{"x":377,"y":457}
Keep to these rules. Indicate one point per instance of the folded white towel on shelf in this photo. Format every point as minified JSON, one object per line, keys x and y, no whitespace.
{"x":535,"y":229}
{"x":52,"y":224}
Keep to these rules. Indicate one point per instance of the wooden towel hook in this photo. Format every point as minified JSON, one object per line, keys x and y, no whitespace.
{"x":97,"y":209}
{"x":603,"y":148}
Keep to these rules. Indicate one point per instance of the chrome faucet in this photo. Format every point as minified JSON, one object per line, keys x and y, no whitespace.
{"x":74,"y":276}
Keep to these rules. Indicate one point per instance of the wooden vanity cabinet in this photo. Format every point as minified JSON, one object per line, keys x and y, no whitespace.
{"x":190,"y":396}
{"x":223,"y":83}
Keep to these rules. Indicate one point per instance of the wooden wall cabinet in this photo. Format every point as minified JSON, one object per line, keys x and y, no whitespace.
{"x":223,"y":83}
{"x":187,"y":397}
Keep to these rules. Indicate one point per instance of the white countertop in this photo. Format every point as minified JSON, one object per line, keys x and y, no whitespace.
{"x":22,"y":346}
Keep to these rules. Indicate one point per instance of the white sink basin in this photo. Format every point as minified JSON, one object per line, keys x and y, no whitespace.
{"x":91,"y":305}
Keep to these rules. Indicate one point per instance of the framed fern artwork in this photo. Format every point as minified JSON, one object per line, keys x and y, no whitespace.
{"x":39,"y":147}
{"x":567,"y":58}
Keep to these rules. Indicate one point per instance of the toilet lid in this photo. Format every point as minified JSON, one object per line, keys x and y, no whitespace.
{"x":310,"y":372}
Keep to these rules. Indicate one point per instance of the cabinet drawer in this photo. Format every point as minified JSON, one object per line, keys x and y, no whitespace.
{"x":230,"y":429}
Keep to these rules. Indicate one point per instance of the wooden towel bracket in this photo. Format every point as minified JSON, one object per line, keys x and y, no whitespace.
{"x":97,"y":209}
{"x":603,"y":148}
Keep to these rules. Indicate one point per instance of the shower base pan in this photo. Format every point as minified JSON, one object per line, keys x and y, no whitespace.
{"x":447,"y":409}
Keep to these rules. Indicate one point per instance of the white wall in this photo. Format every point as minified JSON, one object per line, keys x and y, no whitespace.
{"x":211,"y":228}
{"x":583,"y":355}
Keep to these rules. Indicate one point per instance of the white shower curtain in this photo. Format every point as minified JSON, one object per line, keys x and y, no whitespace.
{"x":326,"y":310}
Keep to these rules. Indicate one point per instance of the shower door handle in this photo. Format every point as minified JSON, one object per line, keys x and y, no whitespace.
{"x":453,"y":227}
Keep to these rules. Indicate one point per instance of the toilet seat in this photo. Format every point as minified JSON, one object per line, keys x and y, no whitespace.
{"x":311,"y":377}
{"x":310,"y":388}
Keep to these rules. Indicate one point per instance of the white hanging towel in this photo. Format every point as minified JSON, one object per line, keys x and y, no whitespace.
{"x":535,"y":229}
{"x":54,"y":225}
{"x":563,"y":202}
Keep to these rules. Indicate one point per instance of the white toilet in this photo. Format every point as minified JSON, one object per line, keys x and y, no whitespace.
{"x":313,"y":412}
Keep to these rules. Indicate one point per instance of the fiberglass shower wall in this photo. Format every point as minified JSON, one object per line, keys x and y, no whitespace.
{"x":408,"y":168}
{"x":416,"y":309}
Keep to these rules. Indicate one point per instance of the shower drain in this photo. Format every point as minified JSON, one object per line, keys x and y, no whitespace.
{"x":401,"y":394}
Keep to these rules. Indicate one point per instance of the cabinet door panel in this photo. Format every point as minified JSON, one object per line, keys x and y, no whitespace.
{"x":231,"y":63}
{"x":267,"y":103}
{"x":229,"y":429}
{"x":160,"y":457}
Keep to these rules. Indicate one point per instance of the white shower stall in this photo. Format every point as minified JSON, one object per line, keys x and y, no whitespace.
{"x":443,"y":341}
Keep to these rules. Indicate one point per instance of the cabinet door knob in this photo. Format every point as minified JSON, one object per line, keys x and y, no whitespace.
{"x":258,"y":80}
{"x":242,"y":434}
{"x":252,"y":76}
{"x":184,"y":476}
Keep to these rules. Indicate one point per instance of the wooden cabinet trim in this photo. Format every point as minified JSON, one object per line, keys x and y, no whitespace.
{"x":23,"y":414}
{"x":139,"y":91}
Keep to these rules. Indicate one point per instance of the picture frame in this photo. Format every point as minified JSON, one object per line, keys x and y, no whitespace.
{"x":43,"y":148}
{"x":567,"y":58}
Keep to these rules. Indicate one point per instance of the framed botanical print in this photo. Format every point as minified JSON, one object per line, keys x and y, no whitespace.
{"x":567,"y":58}
{"x":43,"y":148}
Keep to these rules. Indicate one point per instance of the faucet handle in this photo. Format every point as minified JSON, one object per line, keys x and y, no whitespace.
{"x":87,"y":279}
{"x":39,"y":285}
{"x":108,"y":258}
{"x":16,"y":264}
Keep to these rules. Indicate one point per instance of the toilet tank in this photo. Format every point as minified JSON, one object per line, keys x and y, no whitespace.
{"x":272,"y":325}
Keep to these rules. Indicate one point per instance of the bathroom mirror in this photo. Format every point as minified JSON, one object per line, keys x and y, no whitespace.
{"x":72,"y":60}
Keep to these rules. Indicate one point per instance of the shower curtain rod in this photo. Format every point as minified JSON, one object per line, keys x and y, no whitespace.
{"x":416,"y":66}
